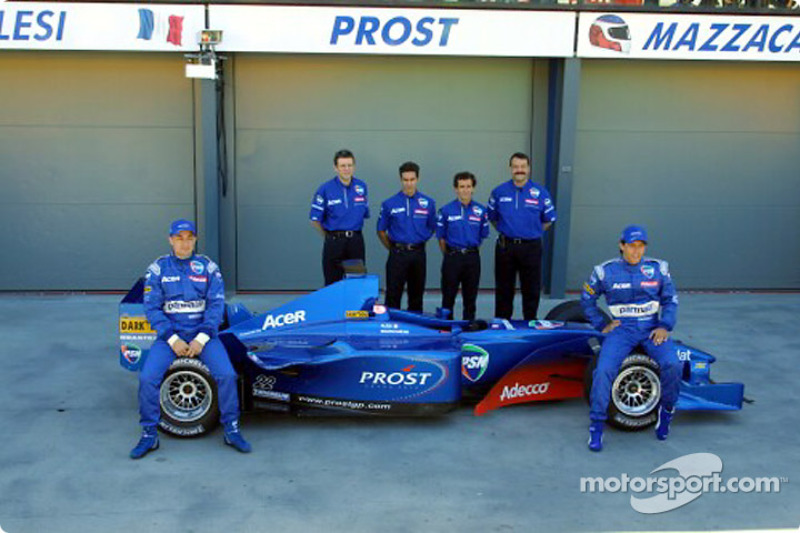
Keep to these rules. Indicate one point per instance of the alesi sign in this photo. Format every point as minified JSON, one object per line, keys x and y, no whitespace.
{"x":352,"y":30}
{"x":96,"y":26}
{"x":709,"y":37}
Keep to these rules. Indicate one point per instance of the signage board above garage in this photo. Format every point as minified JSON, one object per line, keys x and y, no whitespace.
{"x":95,"y":26}
{"x":351,"y":30}
{"x":710,"y":37}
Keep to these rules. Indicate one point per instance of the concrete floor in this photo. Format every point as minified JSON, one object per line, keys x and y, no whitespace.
{"x":69,"y":418}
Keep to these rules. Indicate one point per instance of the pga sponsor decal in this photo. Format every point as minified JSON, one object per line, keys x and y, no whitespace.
{"x":523,"y":391}
{"x":474,"y":362}
{"x":197,"y":267}
{"x":545,"y":324}
{"x":284,"y":319}
{"x":131,"y":352}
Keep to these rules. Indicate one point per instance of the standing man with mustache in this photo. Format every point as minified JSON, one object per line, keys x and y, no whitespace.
{"x":521,"y":211}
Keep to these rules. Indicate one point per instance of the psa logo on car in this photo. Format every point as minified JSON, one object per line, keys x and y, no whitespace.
{"x":474,"y":362}
{"x":131,"y":352}
{"x":610,"y":32}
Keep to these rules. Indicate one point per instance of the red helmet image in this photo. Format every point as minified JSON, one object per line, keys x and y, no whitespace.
{"x":611,"y":32}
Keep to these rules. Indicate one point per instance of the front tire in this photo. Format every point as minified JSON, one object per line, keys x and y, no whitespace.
{"x":188,"y":399}
{"x":635,"y":393}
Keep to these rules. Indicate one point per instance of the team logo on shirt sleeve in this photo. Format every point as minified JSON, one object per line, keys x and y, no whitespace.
{"x":477,"y":210}
{"x":648,"y":271}
{"x":359,"y":190}
{"x":197,"y":267}
{"x":535,"y":192}
{"x":423,"y":202}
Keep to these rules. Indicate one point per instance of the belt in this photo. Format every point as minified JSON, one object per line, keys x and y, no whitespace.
{"x":508,"y":240}
{"x":451,"y":250}
{"x":408,"y":247}
{"x":347,"y":234}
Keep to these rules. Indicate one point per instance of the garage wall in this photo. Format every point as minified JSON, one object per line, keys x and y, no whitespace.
{"x":705,"y":155}
{"x":97,"y":156}
{"x":294,"y":112}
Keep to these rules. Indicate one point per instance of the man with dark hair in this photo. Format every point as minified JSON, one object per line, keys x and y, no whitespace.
{"x":461,"y":226}
{"x":184,"y":300}
{"x":521,"y":211}
{"x":406,"y":222}
{"x":338,"y":210}
{"x":644,"y":304}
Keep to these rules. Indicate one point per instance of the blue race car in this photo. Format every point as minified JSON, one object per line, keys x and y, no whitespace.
{"x":338,"y":351}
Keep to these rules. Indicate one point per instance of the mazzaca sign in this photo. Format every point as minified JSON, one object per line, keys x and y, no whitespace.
{"x":68,"y":26}
{"x":710,"y":37}
{"x":350,"y":30}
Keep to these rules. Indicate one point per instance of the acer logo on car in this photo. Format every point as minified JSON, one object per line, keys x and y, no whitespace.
{"x":284,"y":320}
{"x":520,"y":391}
{"x":395,"y":378}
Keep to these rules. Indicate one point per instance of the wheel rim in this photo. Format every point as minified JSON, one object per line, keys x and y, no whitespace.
{"x":636,"y":391}
{"x":186,"y":396}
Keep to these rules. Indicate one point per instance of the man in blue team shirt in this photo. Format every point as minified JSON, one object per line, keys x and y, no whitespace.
{"x":521,"y":211}
{"x":461,"y":226}
{"x":406,"y":222}
{"x":636,"y":289}
{"x":184,"y":300}
{"x":338,"y":211}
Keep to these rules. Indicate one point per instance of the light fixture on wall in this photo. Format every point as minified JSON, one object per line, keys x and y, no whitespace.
{"x":204,"y":64}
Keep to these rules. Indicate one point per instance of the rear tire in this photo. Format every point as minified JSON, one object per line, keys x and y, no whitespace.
{"x":188,"y":399}
{"x":571,"y":311}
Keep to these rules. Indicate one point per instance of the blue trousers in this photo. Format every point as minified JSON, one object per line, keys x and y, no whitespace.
{"x":155,"y":366}
{"x":616,"y":347}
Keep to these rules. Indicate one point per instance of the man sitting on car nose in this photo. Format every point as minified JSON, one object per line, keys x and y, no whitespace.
{"x":184,"y":300}
{"x":636,"y":289}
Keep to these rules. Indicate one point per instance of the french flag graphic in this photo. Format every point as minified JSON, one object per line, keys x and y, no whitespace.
{"x":160,"y":27}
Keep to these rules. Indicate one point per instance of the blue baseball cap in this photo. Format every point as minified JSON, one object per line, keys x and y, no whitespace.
{"x":181,"y":225}
{"x":634,"y":233}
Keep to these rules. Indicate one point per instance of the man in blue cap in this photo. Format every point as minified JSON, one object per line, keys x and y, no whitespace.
{"x":184,"y":300}
{"x":644,"y":305}
{"x":461,"y":227}
{"x":406,"y":222}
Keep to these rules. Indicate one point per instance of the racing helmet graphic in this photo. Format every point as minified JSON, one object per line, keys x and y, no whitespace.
{"x":611,"y":32}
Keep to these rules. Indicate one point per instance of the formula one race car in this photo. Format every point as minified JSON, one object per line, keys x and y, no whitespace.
{"x":337,"y":350}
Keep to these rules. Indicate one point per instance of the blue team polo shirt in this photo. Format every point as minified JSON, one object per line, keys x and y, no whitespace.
{"x":408,"y":219}
{"x":520,"y":213}
{"x":462,"y":226}
{"x":338,"y":207}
